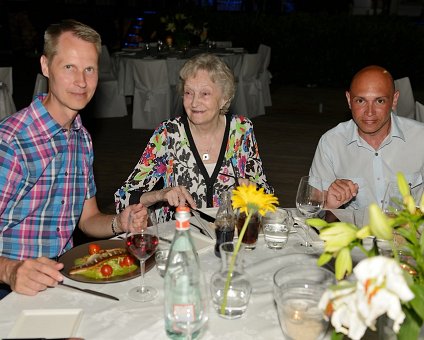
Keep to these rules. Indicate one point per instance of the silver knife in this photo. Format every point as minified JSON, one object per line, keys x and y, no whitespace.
{"x":89,"y":291}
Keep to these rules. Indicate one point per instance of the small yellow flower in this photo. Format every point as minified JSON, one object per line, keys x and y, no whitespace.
{"x":248,"y":199}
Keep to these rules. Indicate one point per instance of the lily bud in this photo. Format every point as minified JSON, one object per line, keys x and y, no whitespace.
{"x":402,"y":184}
{"x":316,"y":222}
{"x":409,"y":202}
{"x":422,"y":204}
{"x":343,"y":263}
{"x":379,"y":223}
{"x":364,"y":232}
{"x":338,"y":236}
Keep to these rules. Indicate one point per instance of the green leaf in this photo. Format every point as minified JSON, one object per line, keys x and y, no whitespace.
{"x":417,"y":302}
{"x":337,"y":336}
{"x":411,"y":326}
{"x":324,"y":258}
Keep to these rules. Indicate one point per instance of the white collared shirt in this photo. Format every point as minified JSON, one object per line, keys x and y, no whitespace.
{"x":343,"y":154}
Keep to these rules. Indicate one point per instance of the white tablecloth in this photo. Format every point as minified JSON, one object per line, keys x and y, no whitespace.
{"x":125,"y":319}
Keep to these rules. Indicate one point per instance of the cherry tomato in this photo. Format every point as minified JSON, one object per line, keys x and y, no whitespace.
{"x":93,"y":248}
{"x":126,"y":261}
{"x":106,"y":270}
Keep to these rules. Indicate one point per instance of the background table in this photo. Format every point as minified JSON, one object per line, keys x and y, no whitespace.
{"x":125,"y":319}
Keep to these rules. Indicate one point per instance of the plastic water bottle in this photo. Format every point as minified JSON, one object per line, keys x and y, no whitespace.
{"x":185,"y":290}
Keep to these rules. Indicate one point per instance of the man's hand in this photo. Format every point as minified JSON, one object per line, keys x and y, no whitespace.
{"x":33,"y":275}
{"x":340,"y":192}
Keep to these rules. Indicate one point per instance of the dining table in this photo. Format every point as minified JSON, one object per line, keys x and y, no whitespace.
{"x":102,"y":318}
{"x":123,"y":62}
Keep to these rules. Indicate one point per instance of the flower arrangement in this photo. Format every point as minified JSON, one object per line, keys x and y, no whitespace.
{"x":384,"y":286}
{"x":249,"y":200}
{"x":182,"y":25}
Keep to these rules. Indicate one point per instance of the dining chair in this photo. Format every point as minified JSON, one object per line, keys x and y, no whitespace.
{"x":108,"y":101}
{"x":152,"y":93}
{"x":406,"y":102}
{"x":419,"y":111}
{"x":6,"y":77}
{"x":248,"y":100}
{"x":264,"y":75}
{"x":7,"y":105}
{"x":41,"y":85}
{"x":174,"y":66}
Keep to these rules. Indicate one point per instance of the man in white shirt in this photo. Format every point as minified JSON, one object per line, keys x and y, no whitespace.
{"x":356,"y":159}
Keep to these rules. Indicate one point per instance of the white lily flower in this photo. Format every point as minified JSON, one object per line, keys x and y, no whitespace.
{"x":340,"y":304}
{"x":381,"y":288}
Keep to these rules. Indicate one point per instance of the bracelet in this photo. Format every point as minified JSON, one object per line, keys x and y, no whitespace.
{"x":114,"y":225}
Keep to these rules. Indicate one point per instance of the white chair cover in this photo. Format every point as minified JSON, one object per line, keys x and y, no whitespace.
{"x":7,"y":78}
{"x":234,"y":62}
{"x":152,"y":94}
{"x":7,"y":105}
{"x":419,"y":112}
{"x":265,"y":76}
{"x":248,"y":100}
{"x":41,"y":85}
{"x":108,"y":101}
{"x":174,"y":66}
{"x":406,"y":102}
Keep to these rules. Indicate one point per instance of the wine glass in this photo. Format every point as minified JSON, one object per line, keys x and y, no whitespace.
{"x":142,"y":244}
{"x":392,"y":200}
{"x":309,"y":202}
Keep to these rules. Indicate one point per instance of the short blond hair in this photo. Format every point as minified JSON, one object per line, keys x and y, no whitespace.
{"x":78,"y":29}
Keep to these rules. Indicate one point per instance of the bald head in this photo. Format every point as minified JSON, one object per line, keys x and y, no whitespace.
{"x":373,"y":74}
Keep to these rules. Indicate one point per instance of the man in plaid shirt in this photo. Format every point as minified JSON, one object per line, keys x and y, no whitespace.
{"x":47,"y":185}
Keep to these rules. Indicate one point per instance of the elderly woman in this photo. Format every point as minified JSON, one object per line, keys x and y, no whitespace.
{"x":194,"y":158}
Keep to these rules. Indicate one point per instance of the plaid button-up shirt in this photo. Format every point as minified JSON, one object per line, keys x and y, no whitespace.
{"x":46,"y":174}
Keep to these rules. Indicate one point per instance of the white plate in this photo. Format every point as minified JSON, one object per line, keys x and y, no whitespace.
{"x":46,"y":323}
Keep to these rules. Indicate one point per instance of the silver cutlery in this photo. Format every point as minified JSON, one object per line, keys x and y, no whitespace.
{"x":89,"y":291}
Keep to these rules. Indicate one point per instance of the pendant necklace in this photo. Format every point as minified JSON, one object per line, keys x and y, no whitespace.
{"x":206,"y":156}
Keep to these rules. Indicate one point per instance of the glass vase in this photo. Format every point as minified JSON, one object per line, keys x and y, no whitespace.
{"x":239,"y":287}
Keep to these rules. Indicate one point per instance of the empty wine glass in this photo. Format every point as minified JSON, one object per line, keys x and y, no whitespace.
{"x":392,"y":200}
{"x":142,"y":244}
{"x":309,"y":202}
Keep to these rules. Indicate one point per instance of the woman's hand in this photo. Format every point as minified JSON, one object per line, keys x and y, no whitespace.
{"x":138,"y":219}
{"x":177,"y":196}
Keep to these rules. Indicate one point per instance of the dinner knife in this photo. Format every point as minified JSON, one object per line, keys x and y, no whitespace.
{"x":89,"y":291}
{"x":205,"y":216}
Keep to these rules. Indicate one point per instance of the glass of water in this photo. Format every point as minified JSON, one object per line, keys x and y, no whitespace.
{"x":276,"y":227}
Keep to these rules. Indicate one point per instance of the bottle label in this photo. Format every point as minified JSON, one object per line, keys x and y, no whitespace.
{"x":183,"y":225}
{"x":184,"y":313}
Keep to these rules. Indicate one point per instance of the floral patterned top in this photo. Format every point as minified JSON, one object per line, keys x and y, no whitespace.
{"x":171,"y":159}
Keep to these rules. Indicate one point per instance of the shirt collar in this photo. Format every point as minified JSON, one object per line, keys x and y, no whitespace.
{"x":395,"y":131}
{"x":45,"y":123}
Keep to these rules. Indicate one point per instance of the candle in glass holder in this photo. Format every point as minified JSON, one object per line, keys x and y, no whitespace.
{"x":302,"y":319}
{"x":168,"y":41}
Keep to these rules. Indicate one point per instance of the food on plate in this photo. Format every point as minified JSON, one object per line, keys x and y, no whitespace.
{"x":104,"y":263}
